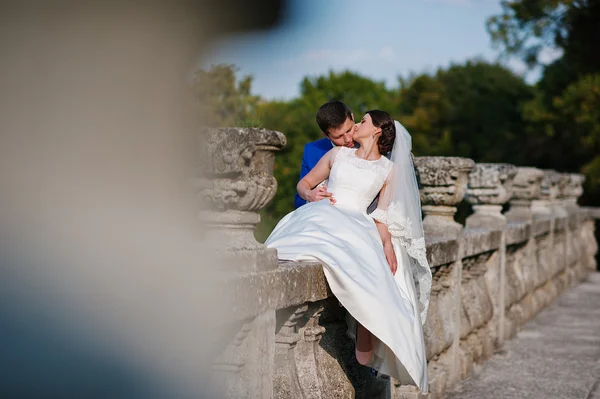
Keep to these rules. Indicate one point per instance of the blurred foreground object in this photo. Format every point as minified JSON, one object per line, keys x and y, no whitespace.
{"x":107,"y":288}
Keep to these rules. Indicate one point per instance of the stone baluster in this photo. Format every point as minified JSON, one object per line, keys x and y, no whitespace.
{"x":558,"y":203}
{"x":443,"y":183}
{"x":527,"y":187}
{"x":572,"y":190}
{"x":236,"y":182}
{"x":306,"y":354}
{"x":286,"y":380}
{"x":490,"y":187}
{"x":548,"y":194}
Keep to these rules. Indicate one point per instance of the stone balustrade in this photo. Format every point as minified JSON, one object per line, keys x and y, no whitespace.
{"x":287,"y":334}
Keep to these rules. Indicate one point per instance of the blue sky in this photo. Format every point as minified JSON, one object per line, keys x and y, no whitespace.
{"x":381,"y":39}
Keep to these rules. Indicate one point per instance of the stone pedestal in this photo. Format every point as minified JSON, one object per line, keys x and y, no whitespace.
{"x":526,"y":189}
{"x":231,"y":235}
{"x":443,"y":182}
{"x":490,"y":187}
{"x":548,"y":194}
{"x":236,"y":182}
{"x":572,"y":190}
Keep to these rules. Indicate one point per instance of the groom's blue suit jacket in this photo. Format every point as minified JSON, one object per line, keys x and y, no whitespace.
{"x":313,"y":152}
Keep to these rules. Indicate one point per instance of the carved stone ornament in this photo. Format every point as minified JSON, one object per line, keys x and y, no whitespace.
{"x":527,"y":187}
{"x":550,"y":190}
{"x":443,"y":183}
{"x":490,"y":187}
{"x":573,"y":189}
{"x":236,"y":180}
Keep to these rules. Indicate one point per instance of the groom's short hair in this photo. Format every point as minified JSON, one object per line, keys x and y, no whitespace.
{"x":332,"y":115}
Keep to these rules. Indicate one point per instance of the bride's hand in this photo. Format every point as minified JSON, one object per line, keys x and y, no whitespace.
{"x":317,"y":194}
{"x":390,"y":255}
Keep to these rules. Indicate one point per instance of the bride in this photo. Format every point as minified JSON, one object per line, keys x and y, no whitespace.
{"x":375,"y":264}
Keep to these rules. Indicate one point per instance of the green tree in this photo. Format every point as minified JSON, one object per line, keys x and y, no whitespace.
{"x":563,"y":118}
{"x":222,"y":98}
{"x":471,"y":110}
{"x":525,"y":27}
{"x":568,"y":136}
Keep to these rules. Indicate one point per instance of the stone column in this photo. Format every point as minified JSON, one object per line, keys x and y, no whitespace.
{"x":490,"y":187}
{"x":526,"y":188}
{"x":443,"y":183}
{"x":548,"y":194}
{"x":237,"y":181}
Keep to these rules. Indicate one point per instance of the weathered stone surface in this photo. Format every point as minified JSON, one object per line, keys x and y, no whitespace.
{"x":479,"y":240}
{"x":550,"y":185}
{"x":572,"y":190}
{"x":476,"y":303}
{"x":443,"y":182}
{"x":237,"y":181}
{"x":291,"y":284}
{"x":490,"y":183}
{"x":237,"y":165}
{"x":517,"y":232}
{"x":442,"y":250}
{"x":541,"y":225}
{"x":526,"y":188}
{"x":244,"y":369}
{"x":516,"y":287}
{"x":441,"y":326}
{"x":550,"y":190}
{"x":490,"y":187}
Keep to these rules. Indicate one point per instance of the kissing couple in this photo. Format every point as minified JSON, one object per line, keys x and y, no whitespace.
{"x":372,"y":251}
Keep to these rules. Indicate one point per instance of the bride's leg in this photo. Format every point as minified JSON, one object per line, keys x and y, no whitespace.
{"x":364,"y":345}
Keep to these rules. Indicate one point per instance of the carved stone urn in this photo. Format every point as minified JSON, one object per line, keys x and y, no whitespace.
{"x":550,"y":190}
{"x":236,"y":181}
{"x":490,"y":187}
{"x":443,"y":183}
{"x":527,"y":187}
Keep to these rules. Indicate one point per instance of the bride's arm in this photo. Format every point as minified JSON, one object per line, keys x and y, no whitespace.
{"x":319,"y":173}
{"x":379,"y":218}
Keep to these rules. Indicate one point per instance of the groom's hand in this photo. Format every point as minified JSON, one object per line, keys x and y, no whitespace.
{"x":390,"y":255}
{"x":318,"y":193}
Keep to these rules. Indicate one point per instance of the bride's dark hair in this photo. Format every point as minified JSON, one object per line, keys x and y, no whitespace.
{"x":388,"y":130}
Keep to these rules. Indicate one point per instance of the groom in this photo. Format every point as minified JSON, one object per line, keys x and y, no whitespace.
{"x":337,"y":124}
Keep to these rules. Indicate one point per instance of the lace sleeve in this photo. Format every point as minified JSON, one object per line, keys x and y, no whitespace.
{"x":380,"y":215}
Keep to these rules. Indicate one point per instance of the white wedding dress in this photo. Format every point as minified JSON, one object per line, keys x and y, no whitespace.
{"x":344,"y":237}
